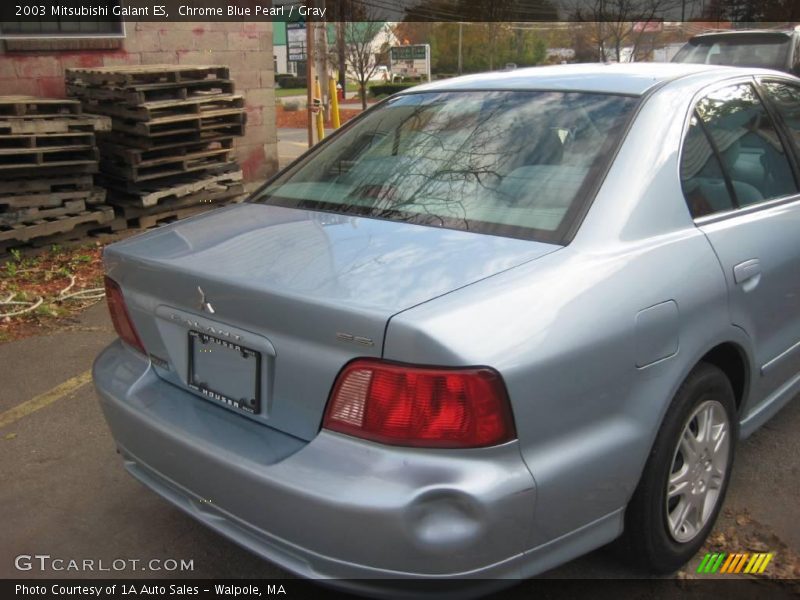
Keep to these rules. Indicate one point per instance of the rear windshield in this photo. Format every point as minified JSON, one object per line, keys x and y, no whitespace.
{"x":768,"y":51}
{"x":516,"y":164}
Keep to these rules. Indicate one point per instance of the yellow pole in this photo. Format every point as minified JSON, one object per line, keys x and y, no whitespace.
{"x":335,"y":121}
{"x":320,"y":117}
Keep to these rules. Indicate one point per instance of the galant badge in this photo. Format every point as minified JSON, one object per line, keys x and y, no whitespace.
{"x":204,"y":305}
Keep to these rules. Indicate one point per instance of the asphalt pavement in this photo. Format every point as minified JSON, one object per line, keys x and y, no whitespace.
{"x":64,"y":492}
{"x":292,"y":143}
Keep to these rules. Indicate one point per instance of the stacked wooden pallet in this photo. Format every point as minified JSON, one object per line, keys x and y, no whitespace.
{"x":48,"y":154}
{"x":170,"y":148}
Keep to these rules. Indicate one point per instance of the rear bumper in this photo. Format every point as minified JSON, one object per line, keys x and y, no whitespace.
{"x":334,"y":507}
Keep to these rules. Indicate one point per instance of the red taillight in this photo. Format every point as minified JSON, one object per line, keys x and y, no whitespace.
{"x":119,"y":315}
{"x":405,"y":405}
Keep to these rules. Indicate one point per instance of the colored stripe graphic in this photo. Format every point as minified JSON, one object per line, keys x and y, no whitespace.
{"x":727,"y":564}
{"x":734,"y":563}
{"x":765,"y":562}
{"x":718,"y":562}
{"x":740,"y":564}
{"x":701,"y":568}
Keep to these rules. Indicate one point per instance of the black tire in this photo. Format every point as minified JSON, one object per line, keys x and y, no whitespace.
{"x":648,"y":538}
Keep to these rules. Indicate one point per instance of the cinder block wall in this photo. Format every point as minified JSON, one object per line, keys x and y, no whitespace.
{"x":37,"y":68}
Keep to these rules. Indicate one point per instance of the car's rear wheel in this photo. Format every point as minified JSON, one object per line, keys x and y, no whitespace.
{"x":686,"y":476}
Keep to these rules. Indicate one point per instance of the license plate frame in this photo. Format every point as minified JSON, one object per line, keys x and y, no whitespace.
{"x":227,"y":351}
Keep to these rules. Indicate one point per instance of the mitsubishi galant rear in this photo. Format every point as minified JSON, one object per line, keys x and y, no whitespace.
{"x":492,"y":324}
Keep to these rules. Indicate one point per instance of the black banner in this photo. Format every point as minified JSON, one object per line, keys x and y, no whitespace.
{"x":748,"y":12}
{"x":733,"y":588}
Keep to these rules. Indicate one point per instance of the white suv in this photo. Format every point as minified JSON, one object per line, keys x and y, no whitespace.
{"x":769,"y":49}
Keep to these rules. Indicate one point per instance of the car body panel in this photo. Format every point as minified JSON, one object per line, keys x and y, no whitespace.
{"x":443,"y":513}
{"x":766,"y":301}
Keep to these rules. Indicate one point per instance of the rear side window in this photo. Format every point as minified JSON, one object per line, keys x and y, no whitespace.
{"x":516,"y":164}
{"x":749,"y":163}
{"x":786,"y":100}
{"x":703,"y":182}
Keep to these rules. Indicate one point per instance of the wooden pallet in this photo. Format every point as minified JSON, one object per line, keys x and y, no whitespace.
{"x":14,"y":125}
{"x":142,"y":74}
{"x":217,"y":196}
{"x":52,"y":200}
{"x":137,"y":156}
{"x":122,"y":184}
{"x":164,"y":109}
{"x":171,"y":140}
{"x":105,"y":233}
{"x":136,"y":94}
{"x":28,"y":106}
{"x":13,"y":158}
{"x":166,"y":167}
{"x":40,"y":200}
{"x":162,"y":217}
{"x":153,"y":194}
{"x":46,"y":226}
{"x":53,"y":169}
{"x":79,"y":233}
{"x":35,"y":213}
{"x":47,"y":140}
{"x":179,"y":124}
{"x":97,"y":197}
{"x":48,"y":185}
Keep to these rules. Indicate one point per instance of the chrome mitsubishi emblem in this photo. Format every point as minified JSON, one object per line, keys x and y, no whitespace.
{"x":204,"y":305}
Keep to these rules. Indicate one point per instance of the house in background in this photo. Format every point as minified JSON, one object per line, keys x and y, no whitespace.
{"x":288,"y":41}
{"x":33,"y":57}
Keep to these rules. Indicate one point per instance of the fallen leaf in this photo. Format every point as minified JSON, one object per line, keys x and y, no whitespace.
{"x":718,"y":539}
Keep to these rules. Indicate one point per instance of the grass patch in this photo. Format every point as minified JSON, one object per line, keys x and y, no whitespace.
{"x":24,"y":281}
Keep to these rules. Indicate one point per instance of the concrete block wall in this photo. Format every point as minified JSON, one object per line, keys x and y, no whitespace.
{"x":246,"y":48}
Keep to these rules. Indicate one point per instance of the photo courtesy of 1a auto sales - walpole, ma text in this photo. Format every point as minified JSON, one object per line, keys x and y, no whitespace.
{"x":405,"y":300}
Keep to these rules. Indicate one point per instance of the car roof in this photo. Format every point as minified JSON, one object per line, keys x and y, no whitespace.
{"x":613,"y":78}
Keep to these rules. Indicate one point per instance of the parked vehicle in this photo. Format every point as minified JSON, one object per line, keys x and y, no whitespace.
{"x":768,"y":49}
{"x":483,"y":329}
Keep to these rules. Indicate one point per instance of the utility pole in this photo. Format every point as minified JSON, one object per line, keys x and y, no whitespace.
{"x":321,"y":57}
{"x":309,"y":79}
{"x":460,"y":39}
{"x":340,"y":46}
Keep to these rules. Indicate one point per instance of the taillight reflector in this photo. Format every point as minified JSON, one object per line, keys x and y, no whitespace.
{"x":406,"y":405}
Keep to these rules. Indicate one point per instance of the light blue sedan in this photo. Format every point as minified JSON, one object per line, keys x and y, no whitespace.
{"x":492,"y":324}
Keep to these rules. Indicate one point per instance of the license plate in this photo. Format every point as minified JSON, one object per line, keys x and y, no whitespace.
{"x":225,"y":372}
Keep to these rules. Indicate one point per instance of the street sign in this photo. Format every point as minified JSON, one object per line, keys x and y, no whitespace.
{"x":411,"y":61}
{"x":416,"y":52}
{"x":296,"y":41}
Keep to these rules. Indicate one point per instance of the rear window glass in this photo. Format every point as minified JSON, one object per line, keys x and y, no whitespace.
{"x":767,"y":51}
{"x":517,"y":164}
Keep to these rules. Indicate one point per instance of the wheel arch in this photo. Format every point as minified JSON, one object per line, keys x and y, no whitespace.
{"x":731,"y":359}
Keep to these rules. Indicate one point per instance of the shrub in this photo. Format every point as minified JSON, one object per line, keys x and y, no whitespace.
{"x":291,"y":106}
{"x":292,"y":82}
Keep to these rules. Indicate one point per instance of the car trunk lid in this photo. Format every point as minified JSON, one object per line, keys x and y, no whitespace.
{"x":305,"y":291}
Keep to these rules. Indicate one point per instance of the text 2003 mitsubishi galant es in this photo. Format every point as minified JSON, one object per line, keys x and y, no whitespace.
{"x":491,"y":325}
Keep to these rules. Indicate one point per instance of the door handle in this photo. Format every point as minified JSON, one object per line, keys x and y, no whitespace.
{"x":747,"y":270}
